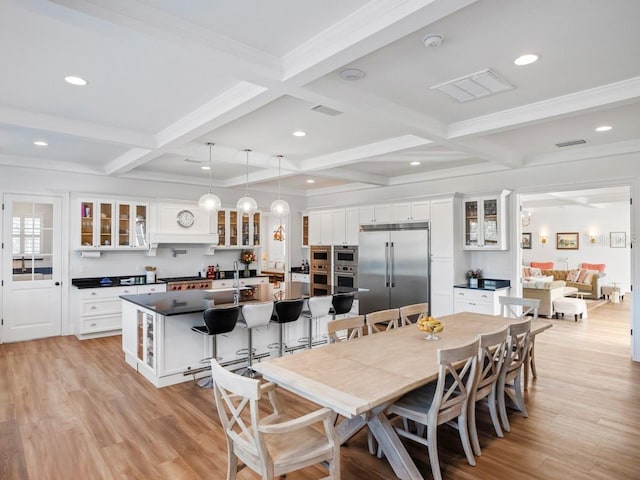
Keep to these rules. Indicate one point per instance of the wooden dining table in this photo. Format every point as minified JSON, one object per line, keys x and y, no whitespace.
{"x":360,"y":378}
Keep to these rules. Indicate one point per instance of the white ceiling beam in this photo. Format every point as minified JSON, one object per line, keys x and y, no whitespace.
{"x":626,"y":90}
{"x":585,"y":153}
{"x":90,"y":131}
{"x":444,"y":173}
{"x":44,"y":164}
{"x":344,"y":157}
{"x":356,"y":176}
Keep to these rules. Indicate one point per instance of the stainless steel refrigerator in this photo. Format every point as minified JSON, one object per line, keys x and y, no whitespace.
{"x":393,"y":265}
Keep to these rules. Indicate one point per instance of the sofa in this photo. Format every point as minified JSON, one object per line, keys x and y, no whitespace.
{"x":590,"y":289}
{"x":546,"y":291}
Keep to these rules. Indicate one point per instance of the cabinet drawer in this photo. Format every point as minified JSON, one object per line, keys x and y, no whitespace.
{"x":152,"y":288}
{"x":107,"y":292}
{"x":254,"y":281}
{"x":222,"y":284}
{"x":102,"y":324}
{"x":470,"y":295}
{"x":100,"y":307}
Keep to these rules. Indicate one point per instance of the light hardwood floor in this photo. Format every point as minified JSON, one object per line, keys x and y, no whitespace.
{"x":75,"y":410}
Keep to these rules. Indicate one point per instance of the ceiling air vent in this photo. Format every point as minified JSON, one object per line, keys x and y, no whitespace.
{"x":570,"y":143}
{"x":477,"y":85}
{"x":326,"y":110}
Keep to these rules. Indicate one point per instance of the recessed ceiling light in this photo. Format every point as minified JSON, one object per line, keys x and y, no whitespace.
{"x":526,"y":59}
{"x":40,"y":143}
{"x":77,"y":81}
{"x":604,"y":128}
{"x":414,"y":164}
{"x":432,"y":40}
{"x":311,"y":180}
{"x":299,"y":133}
{"x":205,"y":167}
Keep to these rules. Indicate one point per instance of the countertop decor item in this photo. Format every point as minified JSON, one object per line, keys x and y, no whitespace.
{"x":247,"y":257}
{"x":151,"y":273}
{"x":473,"y":276}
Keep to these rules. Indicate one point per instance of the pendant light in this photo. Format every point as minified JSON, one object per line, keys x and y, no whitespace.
{"x":279,"y":207}
{"x":209,"y":201}
{"x":247,"y":205}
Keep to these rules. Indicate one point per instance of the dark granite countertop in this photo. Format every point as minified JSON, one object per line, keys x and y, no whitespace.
{"x":116,"y":281}
{"x":491,"y":284}
{"x":193,"y":301}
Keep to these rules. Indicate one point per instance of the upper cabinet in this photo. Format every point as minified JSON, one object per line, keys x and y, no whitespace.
{"x":418,"y":211}
{"x":484,"y":223}
{"x":236,"y":230}
{"x":304,"y":224}
{"x":320,"y":228}
{"x":346,"y":226}
{"x":109,"y":225}
{"x":375,"y":214}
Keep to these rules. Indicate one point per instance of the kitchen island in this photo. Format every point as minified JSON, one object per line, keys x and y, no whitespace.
{"x":158,"y":342}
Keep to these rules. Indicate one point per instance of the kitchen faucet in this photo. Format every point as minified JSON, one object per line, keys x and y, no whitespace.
{"x":236,"y":282}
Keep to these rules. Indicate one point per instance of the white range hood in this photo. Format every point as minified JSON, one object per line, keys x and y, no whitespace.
{"x":181,"y":224}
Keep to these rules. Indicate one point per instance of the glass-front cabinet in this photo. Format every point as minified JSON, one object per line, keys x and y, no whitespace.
{"x":305,"y":230}
{"x":484,"y":223}
{"x":110,"y":224}
{"x":236,"y":230}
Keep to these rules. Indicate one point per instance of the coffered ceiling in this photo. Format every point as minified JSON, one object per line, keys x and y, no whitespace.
{"x":166,"y":77}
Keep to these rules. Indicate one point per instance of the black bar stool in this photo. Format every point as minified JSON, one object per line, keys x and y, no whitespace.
{"x":342,"y":303}
{"x":216,"y":322}
{"x":286,"y":311}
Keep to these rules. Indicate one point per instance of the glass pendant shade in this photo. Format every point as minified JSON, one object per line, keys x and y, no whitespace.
{"x":247,"y":206}
{"x":209,"y":202}
{"x":280,"y":207}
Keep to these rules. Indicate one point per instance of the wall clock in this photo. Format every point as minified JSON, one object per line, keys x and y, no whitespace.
{"x":185,"y":218}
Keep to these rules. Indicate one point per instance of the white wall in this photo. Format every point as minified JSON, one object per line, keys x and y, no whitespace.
{"x":582,"y":219}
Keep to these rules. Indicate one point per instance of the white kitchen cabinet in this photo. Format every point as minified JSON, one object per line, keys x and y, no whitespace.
{"x":98,"y":311}
{"x":97,"y":224}
{"x":321,"y":227}
{"x":131,"y":225}
{"x":236,"y":230}
{"x":484,"y":226}
{"x":418,"y":211}
{"x":243,"y":281}
{"x":375,"y":214}
{"x":300,"y":277}
{"x":478,"y":301}
{"x":346,"y":226}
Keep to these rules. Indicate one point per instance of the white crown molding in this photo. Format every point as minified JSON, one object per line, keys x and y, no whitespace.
{"x":585,"y":153}
{"x":87,"y":130}
{"x":554,"y":107}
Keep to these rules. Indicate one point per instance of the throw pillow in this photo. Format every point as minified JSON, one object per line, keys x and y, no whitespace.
{"x":535,"y":272}
{"x":594,"y":266}
{"x":583,"y":274}
{"x":526,"y":272}
{"x":588,"y":278}
{"x":573,"y":275}
{"x":543,"y":265}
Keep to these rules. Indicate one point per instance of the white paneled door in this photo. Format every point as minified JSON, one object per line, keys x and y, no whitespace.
{"x":31,"y":267}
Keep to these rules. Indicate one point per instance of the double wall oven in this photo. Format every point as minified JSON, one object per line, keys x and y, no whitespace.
{"x":345,"y":267}
{"x":320,"y":269}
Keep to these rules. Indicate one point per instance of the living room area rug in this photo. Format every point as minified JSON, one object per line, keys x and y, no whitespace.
{"x":593,"y":304}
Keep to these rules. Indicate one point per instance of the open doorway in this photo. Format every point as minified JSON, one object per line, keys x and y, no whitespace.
{"x":275,"y":253}
{"x":580,"y":236}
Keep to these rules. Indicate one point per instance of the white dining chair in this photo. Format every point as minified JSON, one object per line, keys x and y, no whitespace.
{"x":490,"y":360}
{"x":274,"y":445}
{"x":409,"y":314}
{"x":382,"y":320}
{"x":518,"y":307}
{"x":441,"y":401}
{"x":353,"y":326}
{"x":510,"y":378}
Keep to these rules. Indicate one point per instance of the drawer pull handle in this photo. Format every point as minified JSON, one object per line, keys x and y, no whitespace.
{"x":93,"y":324}
{"x":93,"y":293}
{"x":93,"y":307}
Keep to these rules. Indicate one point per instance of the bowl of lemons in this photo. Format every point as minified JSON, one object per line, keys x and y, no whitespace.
{"x":431,"y":326}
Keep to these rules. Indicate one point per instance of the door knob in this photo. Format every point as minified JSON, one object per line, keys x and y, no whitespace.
{"x":57,"y":284}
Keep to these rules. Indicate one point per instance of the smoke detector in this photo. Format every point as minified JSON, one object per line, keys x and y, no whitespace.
{"x":351,"y":74}
{"x":432,"y":40}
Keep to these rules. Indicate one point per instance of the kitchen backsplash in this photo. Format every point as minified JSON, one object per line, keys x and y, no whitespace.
{"x":133,"y":263}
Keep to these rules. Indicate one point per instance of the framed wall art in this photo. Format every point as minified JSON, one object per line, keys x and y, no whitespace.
{"x":617,"y":239}
{"x":526,"y":241}
{"x":567,"y":241}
